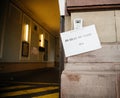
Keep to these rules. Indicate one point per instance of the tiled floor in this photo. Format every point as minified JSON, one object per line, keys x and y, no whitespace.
{"x":29,"y":90}
{"x":32,"y":84}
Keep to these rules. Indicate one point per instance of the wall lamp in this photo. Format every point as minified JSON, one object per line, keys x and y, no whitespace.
{"x":41,"y":43}
{"x":26,"y":32}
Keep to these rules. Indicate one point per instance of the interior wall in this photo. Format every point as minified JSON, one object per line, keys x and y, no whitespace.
{"x":3,"y":11}
{"x":35,"y":55}
{"x":13,"y":42}
{"x":51,"y":56}
{"x":9,"y":67}
{"x":12,"y":34}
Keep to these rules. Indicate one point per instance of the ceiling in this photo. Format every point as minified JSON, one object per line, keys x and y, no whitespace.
{"x":46,"y":13}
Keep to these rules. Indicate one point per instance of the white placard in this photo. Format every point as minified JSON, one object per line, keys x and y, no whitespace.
{"x":80,"y":40}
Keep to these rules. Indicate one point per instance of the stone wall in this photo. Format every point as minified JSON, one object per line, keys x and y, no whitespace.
{"x":95,"y":74}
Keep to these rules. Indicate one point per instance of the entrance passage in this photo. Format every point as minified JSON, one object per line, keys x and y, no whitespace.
{"x":31,"y":84}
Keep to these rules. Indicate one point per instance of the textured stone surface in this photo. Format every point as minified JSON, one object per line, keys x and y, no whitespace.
{"x":78,"y":85}
{"x":106,"y":67}
{"x":95,"y":74}
{"x":67,"y":23}
{"x":108,"y":53}
{"x":118,"y":86}
{"x":117,"y":16}
{"x":104,"y":21}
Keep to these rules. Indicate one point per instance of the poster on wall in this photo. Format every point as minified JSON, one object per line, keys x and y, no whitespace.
{"x":25,"y":49}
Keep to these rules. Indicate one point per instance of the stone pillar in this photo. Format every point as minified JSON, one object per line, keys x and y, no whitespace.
{"x":95,"y":74}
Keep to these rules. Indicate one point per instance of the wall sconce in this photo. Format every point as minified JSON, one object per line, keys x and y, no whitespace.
{"x":26,"y":32}
{"x":41,"y":43}
{"x":41,"y":40}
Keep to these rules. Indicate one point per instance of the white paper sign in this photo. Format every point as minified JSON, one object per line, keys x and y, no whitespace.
{"x":80,"y":40}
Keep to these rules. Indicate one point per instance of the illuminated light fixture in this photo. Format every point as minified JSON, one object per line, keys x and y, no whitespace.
{"x":41,"y":43}
{"x":26,"y":32}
